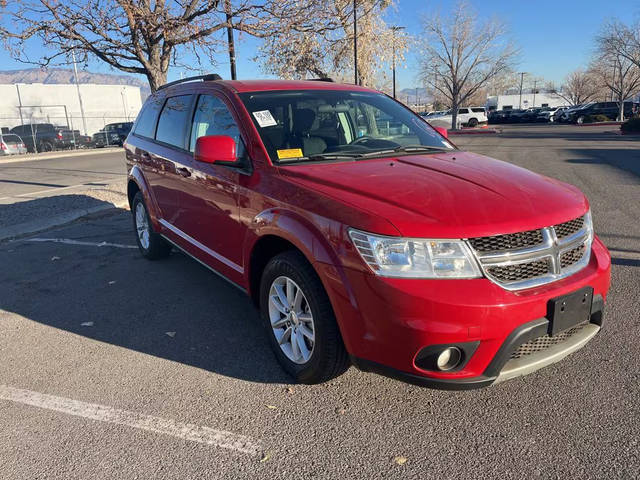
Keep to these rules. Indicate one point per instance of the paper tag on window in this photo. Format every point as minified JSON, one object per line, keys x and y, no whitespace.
{"x":264,"y":118}
{"x":289,"y":153}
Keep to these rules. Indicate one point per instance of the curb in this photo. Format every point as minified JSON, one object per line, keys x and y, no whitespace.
{"x":60,"y":154}
{"x":598,"y":124}
{"x":55,"y":221}
{"x":480,"y":131}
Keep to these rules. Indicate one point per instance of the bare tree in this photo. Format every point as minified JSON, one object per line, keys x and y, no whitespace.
{"x":141,"y":36}
{"x":618,"y":74}
{"x":461,"y":54}
{"x":579,"y":87}
{"x":326,"y":50}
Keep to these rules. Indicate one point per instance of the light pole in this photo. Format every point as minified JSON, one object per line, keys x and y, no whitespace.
{"x":393,"y":68}
{"x":75,"y":74}
{"x":355,"y":42}
{"x":230,"y":42}
{"x":521,"y":80}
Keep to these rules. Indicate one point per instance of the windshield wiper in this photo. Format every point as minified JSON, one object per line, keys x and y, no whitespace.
{"x":321,"y":157}
{"x":405,"y":149}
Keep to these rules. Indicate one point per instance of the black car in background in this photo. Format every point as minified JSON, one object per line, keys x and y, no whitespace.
{"x":112,"y":134}
{"x":44,"y":137}
{"x":611,"y":110}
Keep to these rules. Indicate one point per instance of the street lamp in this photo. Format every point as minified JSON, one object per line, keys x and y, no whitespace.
{"x":394,"y":30}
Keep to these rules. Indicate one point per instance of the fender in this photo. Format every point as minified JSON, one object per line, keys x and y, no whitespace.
{"x":306,"y":236}
{"x":137,"y":176}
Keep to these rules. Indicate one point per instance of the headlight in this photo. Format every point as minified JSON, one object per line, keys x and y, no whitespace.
{"x":415,"y":257}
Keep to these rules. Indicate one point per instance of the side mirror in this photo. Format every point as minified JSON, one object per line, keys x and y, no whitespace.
{"x":442,"y":131}
{"x":216,"y":149}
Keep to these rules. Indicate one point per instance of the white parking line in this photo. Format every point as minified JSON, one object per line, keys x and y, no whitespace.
{"x":59,"y":189}
{"x":69,"y":241}
{"x":101,"y":413}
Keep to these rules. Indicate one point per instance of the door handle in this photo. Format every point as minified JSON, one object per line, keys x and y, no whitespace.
{"x":184,"y":172}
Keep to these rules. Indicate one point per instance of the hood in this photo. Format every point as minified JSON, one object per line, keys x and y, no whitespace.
{"x":446,"y":195}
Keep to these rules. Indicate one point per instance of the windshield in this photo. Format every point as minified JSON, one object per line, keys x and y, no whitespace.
{"x":311,"y":125}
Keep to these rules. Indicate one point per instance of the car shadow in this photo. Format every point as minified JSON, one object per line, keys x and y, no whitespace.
{"x":173,"y":308}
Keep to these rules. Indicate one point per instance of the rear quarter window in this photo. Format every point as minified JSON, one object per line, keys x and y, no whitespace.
{"x":146,"y":123}
{"x":478,"y":110}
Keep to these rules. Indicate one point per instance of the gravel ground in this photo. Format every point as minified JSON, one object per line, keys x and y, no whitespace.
{"x":170,"y":339}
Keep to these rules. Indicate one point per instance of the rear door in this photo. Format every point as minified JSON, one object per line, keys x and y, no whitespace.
{"x":209,"y":196}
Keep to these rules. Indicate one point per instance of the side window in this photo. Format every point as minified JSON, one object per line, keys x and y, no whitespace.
{"x":212,"y":117}
{"x":146,"y":123}
{"x":174,"y":121}
{"x":463,"y":110}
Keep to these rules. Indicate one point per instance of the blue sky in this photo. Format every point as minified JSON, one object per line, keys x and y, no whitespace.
{"x":555,"y":37}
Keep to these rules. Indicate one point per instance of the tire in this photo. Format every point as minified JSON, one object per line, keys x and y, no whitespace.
{"x":580,"y":120}
{"x":473,"y":122}
{"x":152,"y":246}
{"x":326,"y":356}
{"x":45,"y":147}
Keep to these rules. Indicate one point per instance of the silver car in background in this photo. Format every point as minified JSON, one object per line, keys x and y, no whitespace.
{"x":11,"y":144}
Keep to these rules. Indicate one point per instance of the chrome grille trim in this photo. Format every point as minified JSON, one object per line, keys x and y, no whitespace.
{"x":561,"y":254}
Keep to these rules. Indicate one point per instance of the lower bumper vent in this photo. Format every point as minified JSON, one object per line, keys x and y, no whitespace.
{"x":542,"y":343}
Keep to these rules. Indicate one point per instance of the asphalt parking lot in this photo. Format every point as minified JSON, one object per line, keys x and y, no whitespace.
{"x":116,"y":367}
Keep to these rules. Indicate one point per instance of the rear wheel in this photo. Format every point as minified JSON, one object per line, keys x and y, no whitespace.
{"x":473,"y":122}
{"x":151,"y":244}
{"x":299,"y":320}
{"x":45,"y":147}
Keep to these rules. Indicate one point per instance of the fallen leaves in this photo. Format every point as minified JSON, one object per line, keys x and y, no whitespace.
{"x":266,"y":457}
{"x":272,"y":407}
{"x":170,"y":334}
{"x":400,"y":460}
{"x":86,"y":324}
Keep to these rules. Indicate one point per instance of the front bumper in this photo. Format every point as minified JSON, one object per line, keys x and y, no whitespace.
{"x":385,"y":322}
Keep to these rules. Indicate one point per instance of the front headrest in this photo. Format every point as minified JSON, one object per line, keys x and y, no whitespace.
{"x":303,"y":119}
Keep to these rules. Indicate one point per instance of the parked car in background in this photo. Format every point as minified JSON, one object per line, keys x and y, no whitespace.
{"x":610,"y":110}
{"x":11,"y":144}
{"x":44,"y":137}
{"x":549,"y":114}
{"x":396,"y":252}
{"x":566,"y":114}
{"x":467,"y":117}
{"x":82,"y":141}
{"x":112,"y":134}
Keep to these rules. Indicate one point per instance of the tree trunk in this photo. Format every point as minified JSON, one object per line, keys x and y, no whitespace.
{"x":156,"y":78}
{"x":454,"y":114}
{"x":621,"y":106}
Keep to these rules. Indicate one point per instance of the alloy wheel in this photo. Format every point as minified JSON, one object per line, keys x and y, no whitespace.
{"x":142,"y":225}
{"x":291,"y":320}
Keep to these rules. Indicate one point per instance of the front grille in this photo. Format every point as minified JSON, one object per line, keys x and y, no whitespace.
{"x":531,"y":258}
{"x":542,"y":343}
{"x":521,"y":271}
{"x":568,"y":228}
{"x":507,"y":242}
{"x":572,"y":256}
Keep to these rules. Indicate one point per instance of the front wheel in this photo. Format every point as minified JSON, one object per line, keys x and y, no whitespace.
{"x":299,"y":320}
{"x":473,"y":122}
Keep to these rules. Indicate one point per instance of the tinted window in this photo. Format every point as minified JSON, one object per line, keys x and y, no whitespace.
{"x":174,"y":120}
{"x":146,"y":122}
{"x":478,"y":110}
{"x":8,"y":138}
{"x":212,"y":117}
{"x":463,"y":110}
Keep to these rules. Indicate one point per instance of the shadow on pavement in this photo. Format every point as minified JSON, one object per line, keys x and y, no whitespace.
{"x":135,"y":303}
{"x":624,"y":159}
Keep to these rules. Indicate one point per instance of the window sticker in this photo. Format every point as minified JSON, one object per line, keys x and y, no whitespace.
{"x":290,"y":153}
{"x":264,"y":118}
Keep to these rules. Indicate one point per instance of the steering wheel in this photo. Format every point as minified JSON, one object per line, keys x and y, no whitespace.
{"x":362,"y":140}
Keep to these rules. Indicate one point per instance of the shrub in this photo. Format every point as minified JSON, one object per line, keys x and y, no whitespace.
{"x":631,"y":125}
{"x":595,"y":118}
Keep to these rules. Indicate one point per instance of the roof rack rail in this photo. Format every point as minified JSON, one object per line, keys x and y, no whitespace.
{"x":204,"y":78}
{"x":323,"y":79}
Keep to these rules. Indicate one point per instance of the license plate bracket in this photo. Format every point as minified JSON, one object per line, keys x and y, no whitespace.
{"x":569,"y":310}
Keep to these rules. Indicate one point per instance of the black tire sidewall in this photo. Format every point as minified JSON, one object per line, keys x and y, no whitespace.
{"x":293,"y":265}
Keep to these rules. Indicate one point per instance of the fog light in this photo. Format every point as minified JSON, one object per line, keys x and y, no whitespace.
{"x":449,"y":358}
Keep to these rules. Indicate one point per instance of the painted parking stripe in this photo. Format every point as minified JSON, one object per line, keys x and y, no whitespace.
{"x":101,"y":413}
{"x":69,"y":241}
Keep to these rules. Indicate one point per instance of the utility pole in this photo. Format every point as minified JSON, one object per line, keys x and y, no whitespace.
{"x":393,"y":68}
{"x":535,"y":82}
{"x":230,"y":42}
{"x":355,"y":42}
{"x":521,"y":80}
{"x":75,"y":75}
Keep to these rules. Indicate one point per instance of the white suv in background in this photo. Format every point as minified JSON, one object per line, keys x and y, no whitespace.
{"x":467,"y":117}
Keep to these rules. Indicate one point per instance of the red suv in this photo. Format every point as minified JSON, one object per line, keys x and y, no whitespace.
{"x":363,"y":235}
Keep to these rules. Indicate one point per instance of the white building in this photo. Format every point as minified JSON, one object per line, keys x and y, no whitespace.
{"x":24,"y":103}
{"x":529,"y":99}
